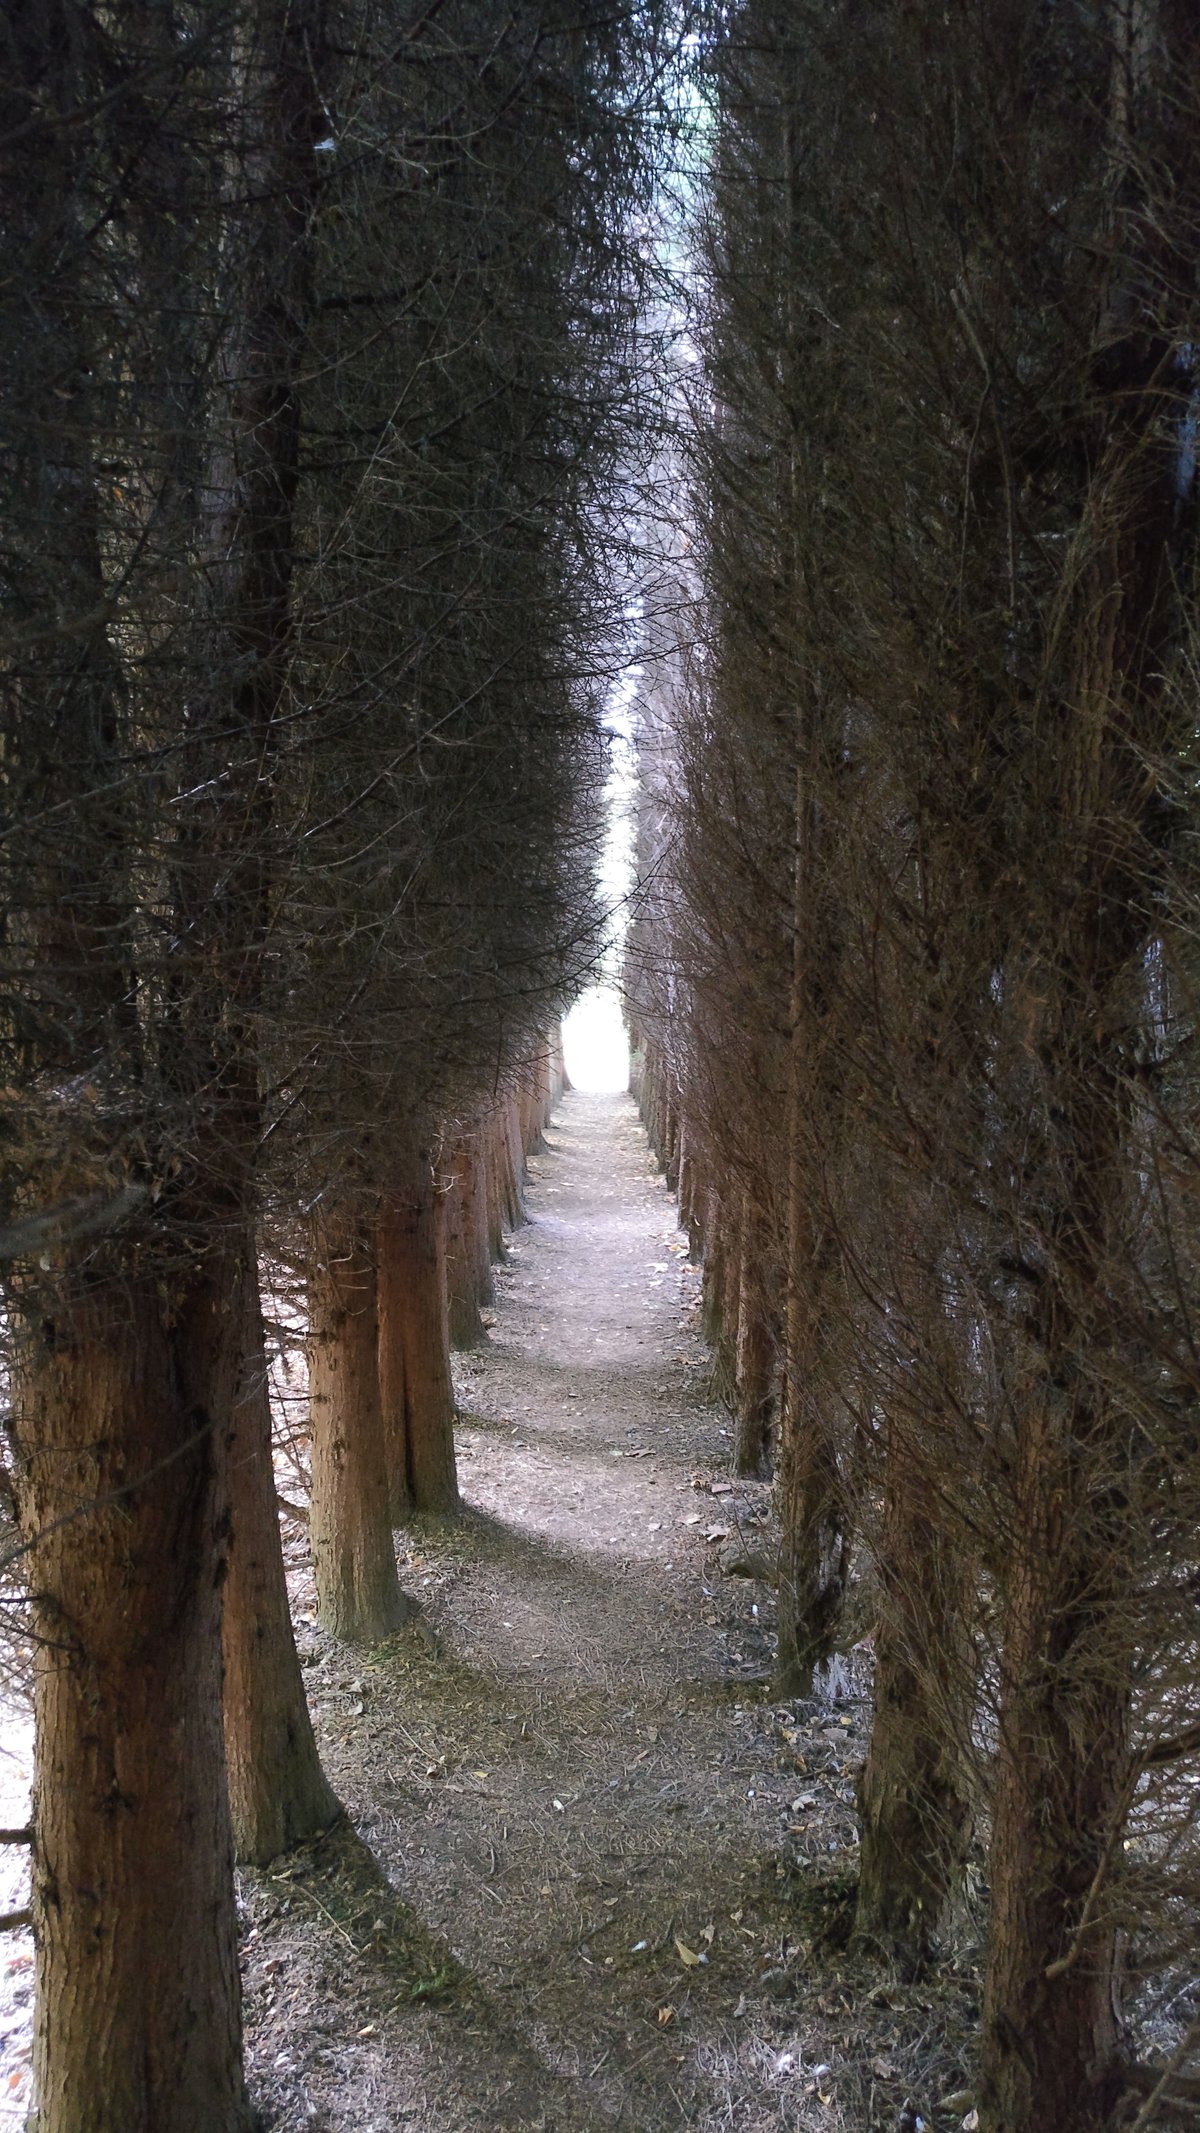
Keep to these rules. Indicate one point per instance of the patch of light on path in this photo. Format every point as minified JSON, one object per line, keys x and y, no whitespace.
{"x":595,"y":1043}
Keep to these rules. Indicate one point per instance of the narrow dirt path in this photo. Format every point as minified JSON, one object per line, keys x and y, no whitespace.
{"x":592,"y":1862}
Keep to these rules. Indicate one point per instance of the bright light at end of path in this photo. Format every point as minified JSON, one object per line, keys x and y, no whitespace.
{"x":595,"y":1043}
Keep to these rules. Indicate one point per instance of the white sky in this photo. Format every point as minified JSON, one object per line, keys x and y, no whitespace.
{"x":594,"y":1040}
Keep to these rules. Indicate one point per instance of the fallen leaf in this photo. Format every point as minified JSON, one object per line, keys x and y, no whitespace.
{"x":558,"y":1807}
{"x":686,"y":1955}
{"x":883,"y":2069}
{"x":708,"y":1932}
{"x":694,"y":1518}
{"x":665,"y":2015}
{"x":367,"y":2030}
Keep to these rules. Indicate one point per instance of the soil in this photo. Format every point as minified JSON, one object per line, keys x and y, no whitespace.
{"x":592,"y":1877}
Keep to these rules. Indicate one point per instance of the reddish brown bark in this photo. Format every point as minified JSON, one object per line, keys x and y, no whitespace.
{"x":670,"y":1147}
{"x":652,"y":1098}
{"x":914,"y":1794}
{"x":512,"y":1163}
{"x":495,"y":1197}
{"x":476,"y":1231}
{"x":1052,"y":2044}
{"x":124,"y":1497}
{"x":1052,"y":2033}
{"x":543,"y":1098}
{"x":278,"y":1792}
{"x":756,"y":1351}
{"x":730,"y":1312}
{"x":414,"y":1344}
{"x":715,"y":1259}
{"x":690,"y":1196}
{"x":814,"y":1514}
{"x":815,"y":1543}
{"x":468,"y":1267}
{"x":354,"y":1561}
{"x":530,"y":1105}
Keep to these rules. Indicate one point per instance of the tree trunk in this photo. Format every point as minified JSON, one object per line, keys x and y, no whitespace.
{"x":814,"y":1549}
{"x":756,"y":1354}
{"x":138,"y":2023}
{"x":690,"y":1197}
{"x":914,"y":1793}
{"x":815,"y":1546}
{"x":474,"y":1168}
{"x":559,"y":1080}
{"x":512,"y":1163}
{"x":468,"y":1266}
{"x":493,"y":1183}
{"x":1081,"y":1530}
{"x":354,"y":1560}
{"x":730,"y":1316}
{"x":815,"y":1540}
{"x":414,"y":1347}
{"x":1052,"y":2041}
{"x":1052,"y":2037}
{"x":529,"y":1103}
{"x":124,"y":1393}
{"x":715,"y":1256}
{"x":544,"y":1102}
{"x":671,"y":1141}
{"x":278,"y":1792}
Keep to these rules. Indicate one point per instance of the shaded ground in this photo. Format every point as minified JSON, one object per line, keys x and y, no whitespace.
{"x":598,"y":1878}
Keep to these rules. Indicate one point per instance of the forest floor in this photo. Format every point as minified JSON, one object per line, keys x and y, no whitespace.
{"x":593,"y":1876}
{"x":597,"y":1878}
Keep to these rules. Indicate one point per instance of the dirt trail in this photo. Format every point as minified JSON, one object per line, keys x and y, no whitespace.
{"x":573,"y":1785}
{"x":591,"y":1869}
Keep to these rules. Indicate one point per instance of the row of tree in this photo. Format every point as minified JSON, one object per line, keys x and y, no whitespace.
{"x":317,"y":336}
{"x":913,"y":980}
